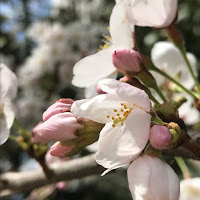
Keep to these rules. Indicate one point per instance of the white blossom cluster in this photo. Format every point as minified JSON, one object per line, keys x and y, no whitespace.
{"x":58,"y":48}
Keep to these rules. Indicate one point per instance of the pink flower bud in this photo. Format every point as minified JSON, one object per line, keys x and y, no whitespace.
{"x":62,"y":105}
{"x":61,"y":185}
{"x":60,"y":127}
{"x":60,"y":150}
{"x":36,"y":138}
{"x":99,"y":90}
{"x":127,"y":61}
{"x":160,"y":136}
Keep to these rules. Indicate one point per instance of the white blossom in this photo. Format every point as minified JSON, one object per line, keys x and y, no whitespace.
{"x":124,"y":109}
{"x":150,"y":178}
{"x":8,"y":90}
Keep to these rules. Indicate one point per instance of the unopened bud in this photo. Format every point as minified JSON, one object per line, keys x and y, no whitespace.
{"x":61,"y":185}
{"x":175,"y":130}
{"x":59,"y":127}
{"x":127,"y":61}
{"x":61,"y":150}
{"x":99,"y":90}
{"x":72,"y":147}
{"x":36,"y":138}
{"x":62,"y":105}
{"x":160,"y":137}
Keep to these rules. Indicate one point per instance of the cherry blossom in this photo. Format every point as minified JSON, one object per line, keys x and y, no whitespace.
{"x":190,"y":189}
{"x":151,"y":13}
{"x":124,"y":109}
{"x":8,"y":90}
{"x":168,"y":58}
{"x":150,"y":178}
{"x":91,"y":69}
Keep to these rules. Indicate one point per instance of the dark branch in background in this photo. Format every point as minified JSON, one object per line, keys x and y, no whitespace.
{"x":13,"y":182}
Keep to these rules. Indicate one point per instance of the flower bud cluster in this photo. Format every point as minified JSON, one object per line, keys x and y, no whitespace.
{"x":72,"y":133}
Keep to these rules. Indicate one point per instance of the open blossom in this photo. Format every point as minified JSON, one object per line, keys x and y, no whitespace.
{"x":190,"y":189}
{"x":168,"y":58}
{"x":150,"y":178}
{"x":151,"y":13}
{"x":8,"y":90}
{"x":91,"y":69}
{"x":124,"y":109}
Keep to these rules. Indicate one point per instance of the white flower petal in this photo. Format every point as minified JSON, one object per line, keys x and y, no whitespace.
{"x":91,"y":90}
{"x":152,"y":13}
{"x":190,"y":189}
{"x":4,"y":131}
{"x":98,"y":108}
{"x":8,"y":83}
{"x":9,"y":113}
{"x":120,"y":30}
{"x":93,"y":68}
{"x":152,"y":179}
{"x":127,"y":92}
{"x":123,"y":143}
{"x":189,"y":114}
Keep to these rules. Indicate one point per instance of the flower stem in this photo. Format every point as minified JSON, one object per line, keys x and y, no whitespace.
{"x":182,"y":51}
{"x":12,"y":137}
{"x":176,"y":38}
{"x":183,"y":167}
{"x":194,"y":95}
{"x":19,"y":128}
{"x":157,"y":89}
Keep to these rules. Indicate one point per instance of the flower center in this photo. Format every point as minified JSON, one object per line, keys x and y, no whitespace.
{"x":121,"y":114}
{"x":107,"y":42}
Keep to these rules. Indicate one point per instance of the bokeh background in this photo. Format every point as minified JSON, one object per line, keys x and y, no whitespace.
{"x":41,"y":40}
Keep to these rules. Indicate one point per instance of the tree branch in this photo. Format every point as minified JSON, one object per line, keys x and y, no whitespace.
{"x":13,"y":182}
